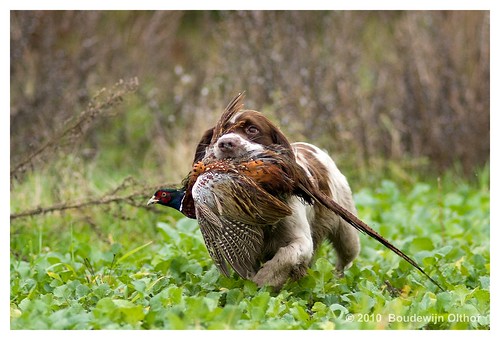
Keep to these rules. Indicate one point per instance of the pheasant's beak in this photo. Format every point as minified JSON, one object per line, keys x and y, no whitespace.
{"x":152,"y":200}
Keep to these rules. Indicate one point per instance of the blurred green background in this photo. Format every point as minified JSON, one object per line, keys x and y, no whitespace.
{"x":398,"y":93}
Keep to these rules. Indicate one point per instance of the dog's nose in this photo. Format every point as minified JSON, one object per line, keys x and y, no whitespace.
{"x":228,"y":143}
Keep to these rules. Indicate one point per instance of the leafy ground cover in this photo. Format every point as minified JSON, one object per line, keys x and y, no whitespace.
{"x":146,"y":270}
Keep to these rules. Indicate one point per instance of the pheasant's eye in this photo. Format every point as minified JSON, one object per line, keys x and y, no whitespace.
{"x":164,"y":194}
{"x":252,"y":130}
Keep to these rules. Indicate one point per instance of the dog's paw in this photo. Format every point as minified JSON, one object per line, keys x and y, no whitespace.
{"x":268,"y":275}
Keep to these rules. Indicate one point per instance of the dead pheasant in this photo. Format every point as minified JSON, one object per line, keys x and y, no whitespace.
{"x":233,"y":205}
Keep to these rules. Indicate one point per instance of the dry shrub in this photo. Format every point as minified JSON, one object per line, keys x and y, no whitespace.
{"x":65,"y":139}
{"x":390,"y":85}
{"x":368,"y":86}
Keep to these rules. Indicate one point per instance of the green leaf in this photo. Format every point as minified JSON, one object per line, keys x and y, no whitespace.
{"x":299,"y":312}
{"x":187,"y":225}
{"x":102,"y":290}
{"x":131,"y":312}
{"x":258,"y":306}
{"x":139,"y":285}
{"x":319,"y":307}
{"x":82,"y":291}
{"x":118,"y":310}
{"x":212,"y":300}
{"x":170,"y":234}
{"x":55,"y":276}
{"x":421,"y":243}
{"x":174,"y":295}
{"x":234,"y":296}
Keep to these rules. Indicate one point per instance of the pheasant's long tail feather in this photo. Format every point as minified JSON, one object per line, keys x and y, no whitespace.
{"x":354,"y":221}
{"x":231,"y":109}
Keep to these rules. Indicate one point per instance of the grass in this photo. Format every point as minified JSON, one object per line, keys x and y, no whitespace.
{"x":124,"y":267}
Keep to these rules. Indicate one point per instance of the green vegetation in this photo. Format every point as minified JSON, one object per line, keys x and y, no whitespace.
{"x":124,"y":267}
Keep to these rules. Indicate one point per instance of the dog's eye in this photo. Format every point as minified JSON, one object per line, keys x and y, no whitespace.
{"x":252,"y":130}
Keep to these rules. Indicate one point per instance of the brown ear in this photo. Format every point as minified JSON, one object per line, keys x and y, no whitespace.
{"x":202,"y":145}
{"x":280,"y":139}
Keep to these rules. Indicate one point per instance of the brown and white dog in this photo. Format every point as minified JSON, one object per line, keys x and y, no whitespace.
{"x":290,"y":246}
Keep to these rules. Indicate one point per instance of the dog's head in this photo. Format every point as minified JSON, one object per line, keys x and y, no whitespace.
{"x":244,"y":132}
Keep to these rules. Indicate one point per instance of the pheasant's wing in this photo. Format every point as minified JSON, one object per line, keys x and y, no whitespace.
{"x":243,"y":246}
{"x":233,"y":211}
{"x":231,"y":241}
{"x":276,"y":163}
{"x":241,"y":199}
{"x":209,"y":226}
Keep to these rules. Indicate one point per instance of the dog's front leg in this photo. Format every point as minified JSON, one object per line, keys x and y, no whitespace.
{"x":291,"y":260}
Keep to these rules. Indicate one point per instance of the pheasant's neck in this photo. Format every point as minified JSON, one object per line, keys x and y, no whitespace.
{"x":176,"y":201}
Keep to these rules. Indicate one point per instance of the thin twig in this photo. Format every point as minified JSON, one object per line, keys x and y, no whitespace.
{"x":130,"y":199}
{"x":76,"y":127}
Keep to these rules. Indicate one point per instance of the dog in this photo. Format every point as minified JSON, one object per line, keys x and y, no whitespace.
{"x":290,"y":246}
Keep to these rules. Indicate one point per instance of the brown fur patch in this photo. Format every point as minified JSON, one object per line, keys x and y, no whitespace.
{"x":268,"y":132}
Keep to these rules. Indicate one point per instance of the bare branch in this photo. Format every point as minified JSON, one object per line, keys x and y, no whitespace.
{"x":137,"y":198}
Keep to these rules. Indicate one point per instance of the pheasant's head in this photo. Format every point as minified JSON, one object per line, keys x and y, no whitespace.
{"x":168,"y":197}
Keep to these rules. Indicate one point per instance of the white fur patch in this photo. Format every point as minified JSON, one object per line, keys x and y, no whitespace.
{"x":336,"y":179}
{"x":300,"y":250}
{"x":241,"y":146}
{"x":302,"y":161}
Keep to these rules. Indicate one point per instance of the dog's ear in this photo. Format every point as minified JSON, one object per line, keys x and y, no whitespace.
{"x":280,"y":139}
{"x":202,"y":145}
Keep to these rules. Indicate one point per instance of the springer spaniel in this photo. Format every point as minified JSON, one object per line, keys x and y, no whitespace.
{"x":289,"y":247}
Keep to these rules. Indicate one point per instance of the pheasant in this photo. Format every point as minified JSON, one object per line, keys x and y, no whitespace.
{"x":234,"y":202}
